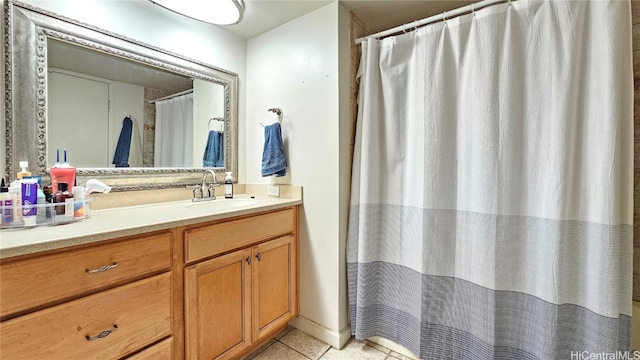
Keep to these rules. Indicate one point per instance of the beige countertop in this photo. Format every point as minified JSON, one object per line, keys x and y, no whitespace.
{"x":132,"y":220}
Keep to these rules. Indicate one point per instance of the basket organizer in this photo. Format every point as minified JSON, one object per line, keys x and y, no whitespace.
{"x":47,"y":214}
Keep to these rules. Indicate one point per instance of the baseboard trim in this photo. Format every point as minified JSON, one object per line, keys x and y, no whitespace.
{"x":336,"y":339}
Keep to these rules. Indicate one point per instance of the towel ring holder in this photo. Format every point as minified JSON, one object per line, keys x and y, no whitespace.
{"x":212,"y":119}
{"x":277,"y":111}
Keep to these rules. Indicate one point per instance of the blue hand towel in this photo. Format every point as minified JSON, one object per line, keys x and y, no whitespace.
{"x":273,"y":159}
{"x":121,"y":156}
{"x":214,"y":150}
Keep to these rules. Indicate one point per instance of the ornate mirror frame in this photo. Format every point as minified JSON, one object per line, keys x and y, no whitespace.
{"x":26,"y":30}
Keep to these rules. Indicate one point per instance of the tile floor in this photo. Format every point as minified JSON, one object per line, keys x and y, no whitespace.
{"x":292,"y":344}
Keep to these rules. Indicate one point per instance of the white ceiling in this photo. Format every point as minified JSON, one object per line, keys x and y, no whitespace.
{"x":260,"y":16}
{"x":263,"y":15}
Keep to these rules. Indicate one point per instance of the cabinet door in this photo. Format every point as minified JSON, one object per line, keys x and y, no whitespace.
{"x":217,"y":307}
{"x":274,"y":288}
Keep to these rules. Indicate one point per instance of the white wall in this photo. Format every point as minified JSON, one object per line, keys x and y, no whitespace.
{"x":344,"y":166}
{"x":208,"y":102}
{"x":156,"y":26}
{"x":296,"y":67}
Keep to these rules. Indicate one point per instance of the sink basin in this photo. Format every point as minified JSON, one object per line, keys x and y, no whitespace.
{"x":222,"y":204}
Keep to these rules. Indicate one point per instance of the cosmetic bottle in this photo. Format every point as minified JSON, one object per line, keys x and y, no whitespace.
{"x":5,"y":200}
{"x":24,"y":172}
{"x":41,"y":212}
{"x":78,"y":205}
{"x":63,"y":211}
{"x":48,"y":198}
{"x":29,"y":201}
{"x":228,"y":186}
{"x":16,"y":201}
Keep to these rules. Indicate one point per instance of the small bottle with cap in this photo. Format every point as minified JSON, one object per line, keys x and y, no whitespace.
{"x":24,"y":172}
{"x":65,"y":199}
{"x":228,"y":186}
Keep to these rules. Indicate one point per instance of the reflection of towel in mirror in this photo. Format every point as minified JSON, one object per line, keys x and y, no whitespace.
{"x":121,"y":156}
{"x":273,"y":159}
{"x":214,"y":150}
{"x":129,"y":149}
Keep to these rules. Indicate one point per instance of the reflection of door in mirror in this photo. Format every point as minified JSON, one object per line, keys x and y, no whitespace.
{"x":75,"y":127}
{"x":86,"y":117}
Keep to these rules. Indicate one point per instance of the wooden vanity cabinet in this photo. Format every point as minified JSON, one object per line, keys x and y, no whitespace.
{"x":104,"y":301}
{"x":235,"y":301}
{"x":205,"y":291}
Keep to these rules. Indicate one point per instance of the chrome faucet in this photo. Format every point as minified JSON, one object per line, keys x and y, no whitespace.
{"x":209,"y":189}
{"x":204,"y":191}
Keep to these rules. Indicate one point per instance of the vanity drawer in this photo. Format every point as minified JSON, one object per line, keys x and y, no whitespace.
{"x":140,"y":310}
{"x":215,"y":239}
{"x":160,"y":351}
{"x":30,"y":283}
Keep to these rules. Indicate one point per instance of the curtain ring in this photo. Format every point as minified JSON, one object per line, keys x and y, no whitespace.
{"x":404,"y":29}
{"x":415,"y":25}
{"x":444,"y":16}
{"x":473,"y":9}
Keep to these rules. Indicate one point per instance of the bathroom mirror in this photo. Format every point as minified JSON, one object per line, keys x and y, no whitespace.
{"x":71,"y":85}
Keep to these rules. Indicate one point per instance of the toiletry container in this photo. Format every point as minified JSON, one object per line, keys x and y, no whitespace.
{"x":29,"y":201}
{"x":79,"y":205}
{"x":41,"y":212}
{"x":41,"y":217}
{"x":24,"y":172}
{"x":63,"y":211}
{"x":228,"y":186}
{"x":63,"y":173}
{"x":5,"y":200}
{"x":16,"y":201}
{"x":48,"y":198}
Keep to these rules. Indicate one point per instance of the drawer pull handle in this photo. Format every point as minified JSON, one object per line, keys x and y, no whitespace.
{"x":248,"y":260}
{"x":103,"y":334}
{"x":259,"y":256}
{"x":102,"y":269}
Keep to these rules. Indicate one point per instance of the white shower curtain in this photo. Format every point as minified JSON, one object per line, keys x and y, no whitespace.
{"x":174,"y":132}
{"x":491,"y":209}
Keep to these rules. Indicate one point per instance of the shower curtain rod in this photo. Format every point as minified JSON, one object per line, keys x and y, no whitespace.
{"x":171,"y":96}
{"x":432,"y":19}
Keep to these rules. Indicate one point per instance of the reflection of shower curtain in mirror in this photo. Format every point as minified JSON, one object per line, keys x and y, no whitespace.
{"x":174,"y":132}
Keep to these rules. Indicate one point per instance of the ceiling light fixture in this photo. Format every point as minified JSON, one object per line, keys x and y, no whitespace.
{"x":218,"y":12}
